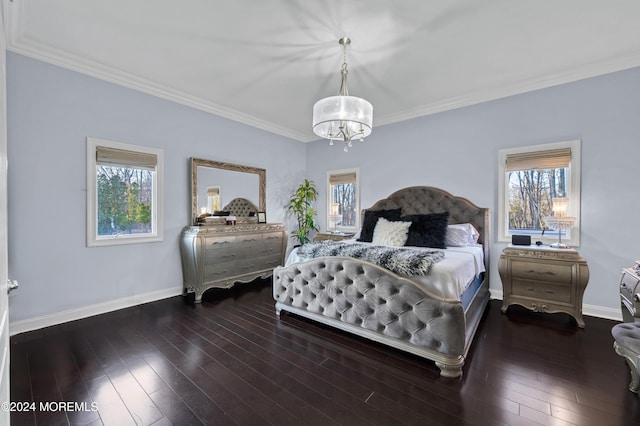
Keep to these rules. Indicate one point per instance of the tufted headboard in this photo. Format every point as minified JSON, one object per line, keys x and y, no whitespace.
{"x":427,"y":199}
{"x":240,"y":207}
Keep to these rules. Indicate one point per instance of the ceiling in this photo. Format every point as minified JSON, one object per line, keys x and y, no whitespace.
{"x":265,"y":62}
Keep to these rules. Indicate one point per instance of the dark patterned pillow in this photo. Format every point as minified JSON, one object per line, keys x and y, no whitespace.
{"x":427,"y":230}
{"x":371,"y":219}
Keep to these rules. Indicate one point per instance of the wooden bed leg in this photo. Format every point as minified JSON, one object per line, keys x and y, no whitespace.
{"x":448,"y":370}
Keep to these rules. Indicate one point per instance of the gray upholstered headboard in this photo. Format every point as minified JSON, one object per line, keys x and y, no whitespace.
{"x":427,"y":199}
{"x":240,"y":207}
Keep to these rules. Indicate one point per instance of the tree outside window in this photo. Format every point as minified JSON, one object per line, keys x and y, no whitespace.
{"x":124,"y":200}
{"x":530,"y":179}
{"x":124,"y":189}
{"x":531,"y":194}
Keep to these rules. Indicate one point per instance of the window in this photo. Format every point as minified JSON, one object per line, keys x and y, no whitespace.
{"x":531,"y":179}
{"x":124,"y":187}
{"x":342,"y":200}
{"x":213,"y":200}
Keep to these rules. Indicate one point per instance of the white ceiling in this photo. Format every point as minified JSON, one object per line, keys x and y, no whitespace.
{"x":265,"y":62}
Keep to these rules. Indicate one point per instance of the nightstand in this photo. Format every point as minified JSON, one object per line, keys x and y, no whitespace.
{"x":544,"y":279}
{"x":333,"y":236}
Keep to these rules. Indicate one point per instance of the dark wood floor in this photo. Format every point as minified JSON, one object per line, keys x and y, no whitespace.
{"x":230,"y":360}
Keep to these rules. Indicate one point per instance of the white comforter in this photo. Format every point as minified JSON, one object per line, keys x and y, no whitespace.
{"x":448,"y":278}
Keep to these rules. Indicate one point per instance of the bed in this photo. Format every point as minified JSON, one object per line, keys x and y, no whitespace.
{"x":434,"y":316}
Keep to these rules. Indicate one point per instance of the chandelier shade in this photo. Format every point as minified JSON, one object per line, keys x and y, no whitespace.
{"x":337,"y":117}
{"x":343,"y":117}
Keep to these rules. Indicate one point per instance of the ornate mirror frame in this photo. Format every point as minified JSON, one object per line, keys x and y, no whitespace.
{"x":199,"y":162}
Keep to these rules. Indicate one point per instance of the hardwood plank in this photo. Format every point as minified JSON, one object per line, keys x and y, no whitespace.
{"x":231,"y":360}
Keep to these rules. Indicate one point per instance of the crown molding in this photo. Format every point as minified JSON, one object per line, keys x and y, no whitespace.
{"x":594,"y":69}
{"x":121,"y":78}
{"x":16,"y":42}
{"x":74,"y":63}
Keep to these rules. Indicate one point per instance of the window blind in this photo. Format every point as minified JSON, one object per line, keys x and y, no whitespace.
{"x":114,"y":157}
{"x":342,"y":178}
{"x":538,"y":160}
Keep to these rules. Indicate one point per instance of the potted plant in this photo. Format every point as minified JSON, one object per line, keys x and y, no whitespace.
{"x":301,"y":205}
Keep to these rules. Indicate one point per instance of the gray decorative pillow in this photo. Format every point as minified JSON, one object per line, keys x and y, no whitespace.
{"x":461,"y":235}
{"x":456,"y":237}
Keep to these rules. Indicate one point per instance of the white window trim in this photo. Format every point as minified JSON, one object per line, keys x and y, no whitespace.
{"x":573,"y":192}
{"x":157,"y":234}
{"x":328,"y":210}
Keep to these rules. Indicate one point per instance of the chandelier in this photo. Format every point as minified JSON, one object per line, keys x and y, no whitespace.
{"x":343,"y":117}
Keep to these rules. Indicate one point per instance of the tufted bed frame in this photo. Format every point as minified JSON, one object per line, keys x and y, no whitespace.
{"x":372,"y":302}
{"x":240,"y":207}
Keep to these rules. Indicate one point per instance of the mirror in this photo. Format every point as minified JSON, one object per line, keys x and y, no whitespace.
{"x":227,"y":181}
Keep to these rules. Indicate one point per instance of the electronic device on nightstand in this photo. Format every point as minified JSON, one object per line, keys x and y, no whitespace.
{"x":630,"y":293}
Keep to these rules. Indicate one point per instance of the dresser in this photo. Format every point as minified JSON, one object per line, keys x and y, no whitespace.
{"x":222,"y":255}
{"x":630,"y":293}
{"x":544,"y":279}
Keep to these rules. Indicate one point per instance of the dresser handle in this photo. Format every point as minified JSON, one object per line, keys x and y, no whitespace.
{"x":549,"y":291}
{"x":531,"y":289}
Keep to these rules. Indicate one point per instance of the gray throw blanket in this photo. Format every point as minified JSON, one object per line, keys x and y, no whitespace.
{"x":401,"y":260}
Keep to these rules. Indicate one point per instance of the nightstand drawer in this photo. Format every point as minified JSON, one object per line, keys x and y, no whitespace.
{"x":530,"y":270}
{"x":541,"y":290}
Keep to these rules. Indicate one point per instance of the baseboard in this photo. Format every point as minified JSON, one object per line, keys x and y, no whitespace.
{"x":602,"y":312}
{"x":37,"y":323}
{"x":589,"y":310}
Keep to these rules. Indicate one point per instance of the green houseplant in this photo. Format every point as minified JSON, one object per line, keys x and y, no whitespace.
{"x":301,"y":206}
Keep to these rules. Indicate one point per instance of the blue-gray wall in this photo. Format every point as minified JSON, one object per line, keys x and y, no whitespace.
{"x":458,"y":151}
{"x":51,"y":111}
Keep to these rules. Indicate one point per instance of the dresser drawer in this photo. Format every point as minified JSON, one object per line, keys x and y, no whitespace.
{"x":541,"y":290}
{"x":214,"y":271}
{"x":530,"y":270}
{"x":273,"y":240}
{"x":629,"y":281}
{"x":270,"y":261}
{"x":629,"y":286}
{"x":246,"y":239}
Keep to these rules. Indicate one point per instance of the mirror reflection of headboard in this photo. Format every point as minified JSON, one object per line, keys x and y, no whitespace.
{"x":201,"y":170}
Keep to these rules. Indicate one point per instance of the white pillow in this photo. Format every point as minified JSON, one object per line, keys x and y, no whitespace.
{"x":461,"y":235}
{"x":387,"y":233}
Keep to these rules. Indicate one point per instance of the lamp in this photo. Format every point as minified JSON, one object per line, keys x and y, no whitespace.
{"x":559,"y":221}
{"x":343,"y":117}
{"x":335,"y":217}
